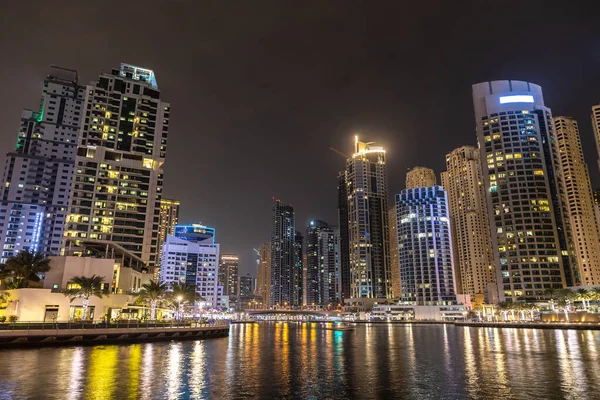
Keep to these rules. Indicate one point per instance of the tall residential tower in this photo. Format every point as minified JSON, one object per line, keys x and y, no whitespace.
{"x":118,"y":178}
{"x":473,"y":261}
{"x":364,"y":183}
{"x":518,"y":152}
{"x":420,"y":177}
{"x":37,"y":176}
{"x":425,"y":246}
{"x":579,"y":202}
{"x":283,"y":291}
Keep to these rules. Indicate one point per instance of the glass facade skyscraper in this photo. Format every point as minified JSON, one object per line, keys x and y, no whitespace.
{"x":425,"y":247}
{"x":366,"y":189}
{"x":283,"y":292}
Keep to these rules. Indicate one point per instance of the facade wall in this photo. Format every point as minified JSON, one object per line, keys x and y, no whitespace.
{"x":29,"y":305}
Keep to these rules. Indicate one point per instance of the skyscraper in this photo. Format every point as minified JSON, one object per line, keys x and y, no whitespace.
{"x":323,"y":287}
{"x":228,"y":274}
{"x":118,"y":179}
{"x":37,"y":176}
{"x":344,"y":235}
{"x":365,"y":185}
{"x":518,"y":149}
{"x":394,"y":255}
{"x":596,"y":128}
{"x":245,"y":285}
{"x":298,"y":272}
{"x":283,"y":292}
{"x":263,"y":276}
{"x":425,"y":246}
{"x":473,"y":261}
{"x":169,"y":217}
{"x":420,"y":177}
{"x":579,"y":202}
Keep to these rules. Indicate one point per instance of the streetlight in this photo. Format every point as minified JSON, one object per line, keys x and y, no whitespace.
{"x":179,"y":298}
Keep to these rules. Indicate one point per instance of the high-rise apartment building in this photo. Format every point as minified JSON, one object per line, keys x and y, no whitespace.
{"x":394,"y":254}
{"x":118,"y":178}
{"x":420,"y":177}
{"x":169,"y":217}
{"x":596,"y":128}
{"x":245,"y":286}
{"x":518,"y":152}
{"x":342,"y":190}
{"x":298,"y":272}
{"x":425,"y":246}
{"x":263,"y":276}
{"x":579,"y":202}
{"x":283,"y":292}
{"x":365,"y":186}
{"x":194,"y":262}
{"x":473,"y":260}
{"x":323,"y":287}
{"x":228,"y":274}
{"x":37,"y":176}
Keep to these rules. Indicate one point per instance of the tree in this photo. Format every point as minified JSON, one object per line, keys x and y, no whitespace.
{"x":182,"y":293}
{"x":595,"y":295}
{"x":22,"y":269}
{"x":583,"y":294}
{"x":153,"y":292}
{"x":505,"y":307}
{"x":565,"y":296}
{"x":86,"y":287}
{"x":552,"y":294}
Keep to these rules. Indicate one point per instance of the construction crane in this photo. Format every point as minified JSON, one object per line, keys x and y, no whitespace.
{"x":339,"y":152}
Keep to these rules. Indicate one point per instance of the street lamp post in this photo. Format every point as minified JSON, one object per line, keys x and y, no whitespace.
{"x":179,"y":315}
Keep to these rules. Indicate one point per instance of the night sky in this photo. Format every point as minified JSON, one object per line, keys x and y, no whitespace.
{"x":260,"y":90}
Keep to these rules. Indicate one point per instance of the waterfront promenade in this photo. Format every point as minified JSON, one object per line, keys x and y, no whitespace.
{"x":38,"y":334}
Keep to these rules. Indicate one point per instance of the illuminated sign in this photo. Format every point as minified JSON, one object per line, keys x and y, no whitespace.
{"x":516,"y":99}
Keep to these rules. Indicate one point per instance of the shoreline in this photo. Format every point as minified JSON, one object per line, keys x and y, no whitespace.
{"x":519,"y":325}
{"x":70,"y":337}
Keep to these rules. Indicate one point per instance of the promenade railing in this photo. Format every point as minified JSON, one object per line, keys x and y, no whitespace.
{"x":36,"y":325}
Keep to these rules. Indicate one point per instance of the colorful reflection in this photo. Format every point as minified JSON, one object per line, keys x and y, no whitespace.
{"x":301,"y":360}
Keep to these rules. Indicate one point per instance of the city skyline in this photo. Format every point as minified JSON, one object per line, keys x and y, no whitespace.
{"x":374,"y":94}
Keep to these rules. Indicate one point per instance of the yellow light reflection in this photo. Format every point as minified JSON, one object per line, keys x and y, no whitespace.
{"x":102,"y":372}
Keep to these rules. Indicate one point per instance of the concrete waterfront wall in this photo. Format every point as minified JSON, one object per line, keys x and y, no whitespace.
{"x":102,"y":335}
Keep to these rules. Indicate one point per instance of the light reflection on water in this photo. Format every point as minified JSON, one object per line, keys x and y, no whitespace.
{"x":292,"y":360}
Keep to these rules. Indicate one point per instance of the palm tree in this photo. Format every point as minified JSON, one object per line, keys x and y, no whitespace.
{"x":552,"y":294}
{"x":595,"y":295}
{"x":505,"y":307}
{"x":182,"y":293}
{"x":583,"y":294}
{"x":25,"y":267}
{"x":153,"y":292}
{"x":565,"y":296}
{"x":86,"y":288}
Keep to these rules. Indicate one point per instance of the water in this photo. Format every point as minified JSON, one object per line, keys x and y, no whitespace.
{"x":289,"y":360}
